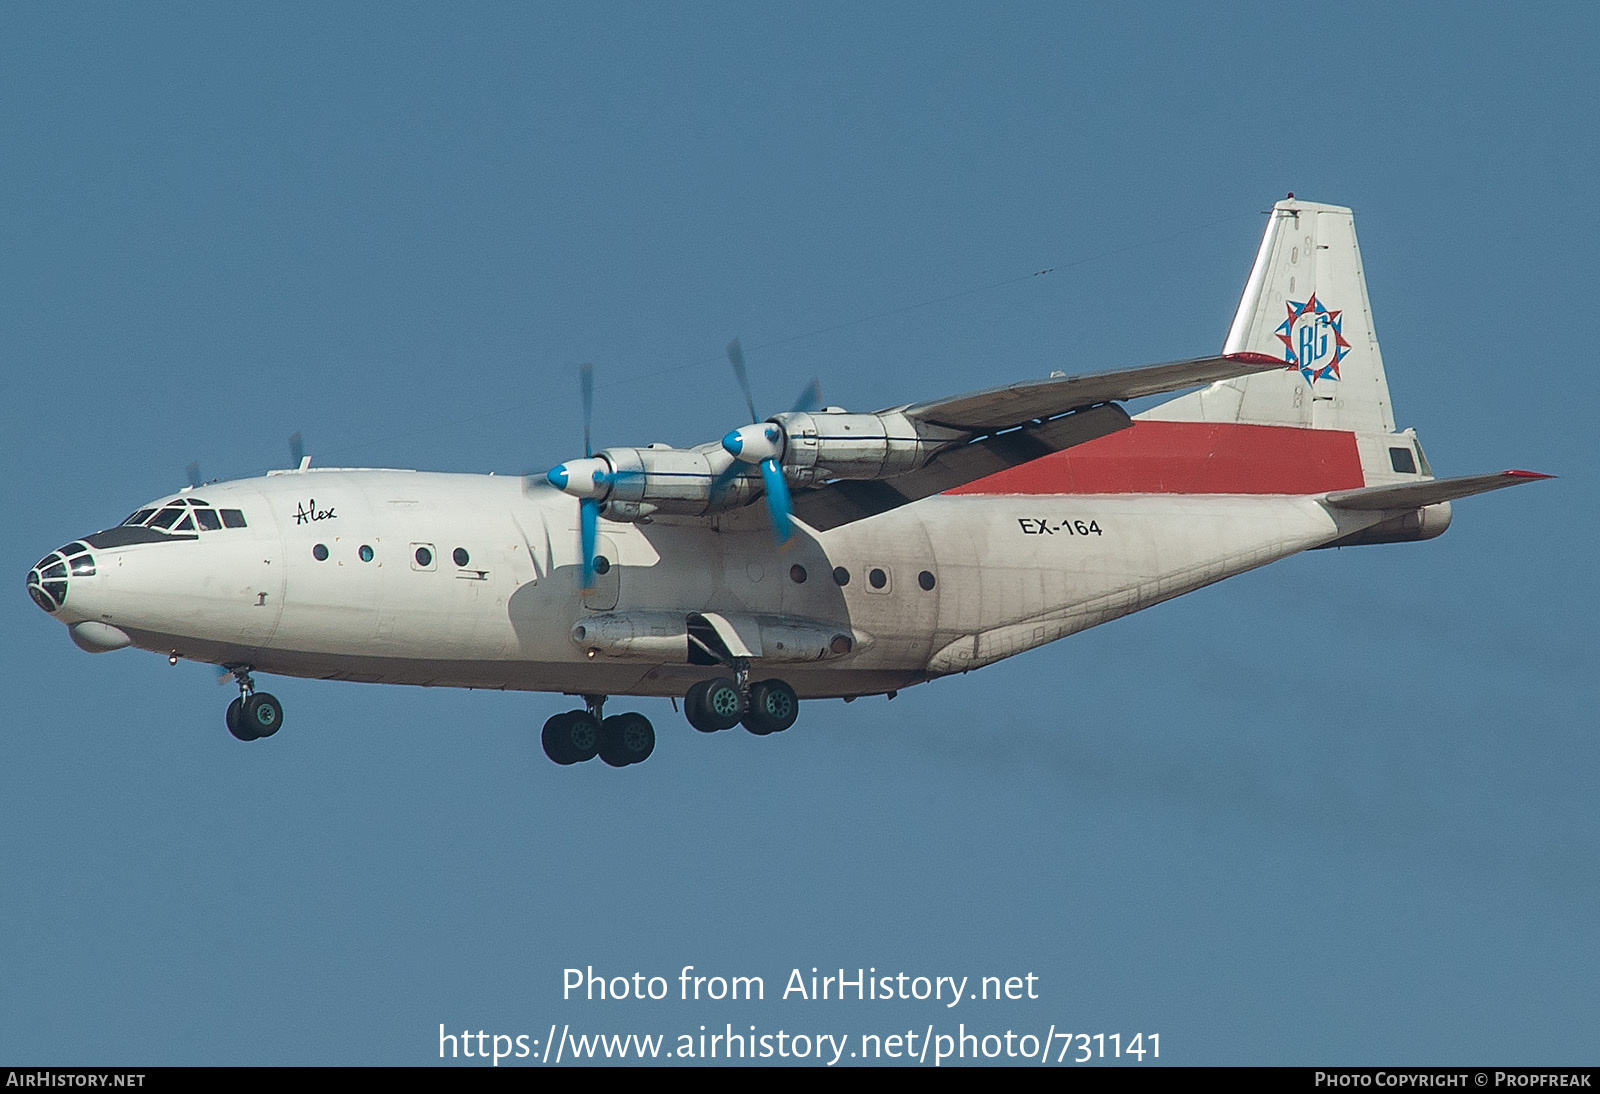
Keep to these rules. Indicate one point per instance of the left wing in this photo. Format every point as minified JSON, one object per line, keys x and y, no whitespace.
{"x":1003,"y":407}
{"x":985,"y":432}
{"x":847,"y":500}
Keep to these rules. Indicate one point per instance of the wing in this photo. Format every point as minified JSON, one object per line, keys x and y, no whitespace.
{"x":855,"y":499}
{"x":1002,"y":427}
{"x":1003,"y":407}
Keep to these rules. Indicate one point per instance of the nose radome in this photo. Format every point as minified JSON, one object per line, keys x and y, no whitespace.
{"x":94,"y":637}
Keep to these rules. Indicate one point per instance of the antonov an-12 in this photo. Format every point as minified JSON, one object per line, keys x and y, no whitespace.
{"x":815,"y":553}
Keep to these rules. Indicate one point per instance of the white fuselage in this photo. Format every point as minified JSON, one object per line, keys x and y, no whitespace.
{"x":473,"y":580}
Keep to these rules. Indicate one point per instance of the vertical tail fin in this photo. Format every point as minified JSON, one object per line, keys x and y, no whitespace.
{"x":1306,"y":302}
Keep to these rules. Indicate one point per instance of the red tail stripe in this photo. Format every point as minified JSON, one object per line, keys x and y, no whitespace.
{"x":1190,"y":458}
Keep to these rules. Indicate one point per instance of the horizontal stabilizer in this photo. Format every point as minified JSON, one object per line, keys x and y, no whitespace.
{"x":1003,"y":407}
{"x":1415,"y":495}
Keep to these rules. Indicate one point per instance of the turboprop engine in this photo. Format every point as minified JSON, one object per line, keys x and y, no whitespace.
{"x":799,"y":448}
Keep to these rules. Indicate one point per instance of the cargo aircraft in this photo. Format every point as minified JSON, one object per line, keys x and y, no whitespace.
{"x":814,"y":553}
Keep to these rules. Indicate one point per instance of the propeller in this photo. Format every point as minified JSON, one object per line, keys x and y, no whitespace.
{"x":762,"y":443}
{"x":297,"y":449}
{"x":589,"y":478}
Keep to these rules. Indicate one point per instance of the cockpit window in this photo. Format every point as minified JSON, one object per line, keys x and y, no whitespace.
{"x":177,"y":516}
{"x":83,"y":566}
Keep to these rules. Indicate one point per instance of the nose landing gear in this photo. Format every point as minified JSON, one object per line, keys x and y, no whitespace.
{"x":255,"y":714}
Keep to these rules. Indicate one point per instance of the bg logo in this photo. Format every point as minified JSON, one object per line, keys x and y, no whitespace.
{"x":1312,"y":341}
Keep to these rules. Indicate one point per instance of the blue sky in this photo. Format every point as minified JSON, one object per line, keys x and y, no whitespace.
{"x":1340,"y":810}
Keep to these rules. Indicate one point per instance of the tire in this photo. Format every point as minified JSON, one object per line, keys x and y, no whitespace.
{"x":773,"y":708}
{"x":553,"y":740}
{"x":694,"y":707}
{"x":571,"y":738}
{"x":235,"y":720}
{"x":721,"y":705}
{"x":261,"y":714}
{"x":626,"y":739}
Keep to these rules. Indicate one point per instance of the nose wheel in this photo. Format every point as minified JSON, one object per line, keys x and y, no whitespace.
{"x":255,"y":714}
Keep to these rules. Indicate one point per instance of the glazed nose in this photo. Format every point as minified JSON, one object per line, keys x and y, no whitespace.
{"x":50,"y":576}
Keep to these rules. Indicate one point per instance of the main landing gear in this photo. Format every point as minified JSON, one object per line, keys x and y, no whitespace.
{"x":764,"y":707}
{"x":768,"y":706}
{"x":580,"y":735}
{"x":255,"y":714}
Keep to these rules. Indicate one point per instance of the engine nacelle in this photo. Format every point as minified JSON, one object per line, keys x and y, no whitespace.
{"x":812,"y":448}
{"x":687,"y":481}
{"x":837,"y":445}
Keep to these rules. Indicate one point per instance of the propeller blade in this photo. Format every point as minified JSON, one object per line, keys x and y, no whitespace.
{"x":586,"y":383}
{"x":193,"y":471}
{"x":588,"y":536}
{"x":736,"y":359}
{"x":720,"y":484}
{"x":297,"y":448}
{"x":779,"y":504}
{"x":810,"y":399}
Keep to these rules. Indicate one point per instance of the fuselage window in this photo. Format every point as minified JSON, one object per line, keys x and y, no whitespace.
{"x":797,"y":574}
{"x":208,"y":519}
{"x":841,"y":575}
{"x":424,"y":558}
{"x":165,"y":518}
{"x":320,"y":552}
{"x":1402,"y":461}
{"x":462,"y":558}
{"x":925,"y":579}
{"x":602,"y":564}
{"x":877,"y":578}
{"x":365,"y":552}
{"x":232,"y":518}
